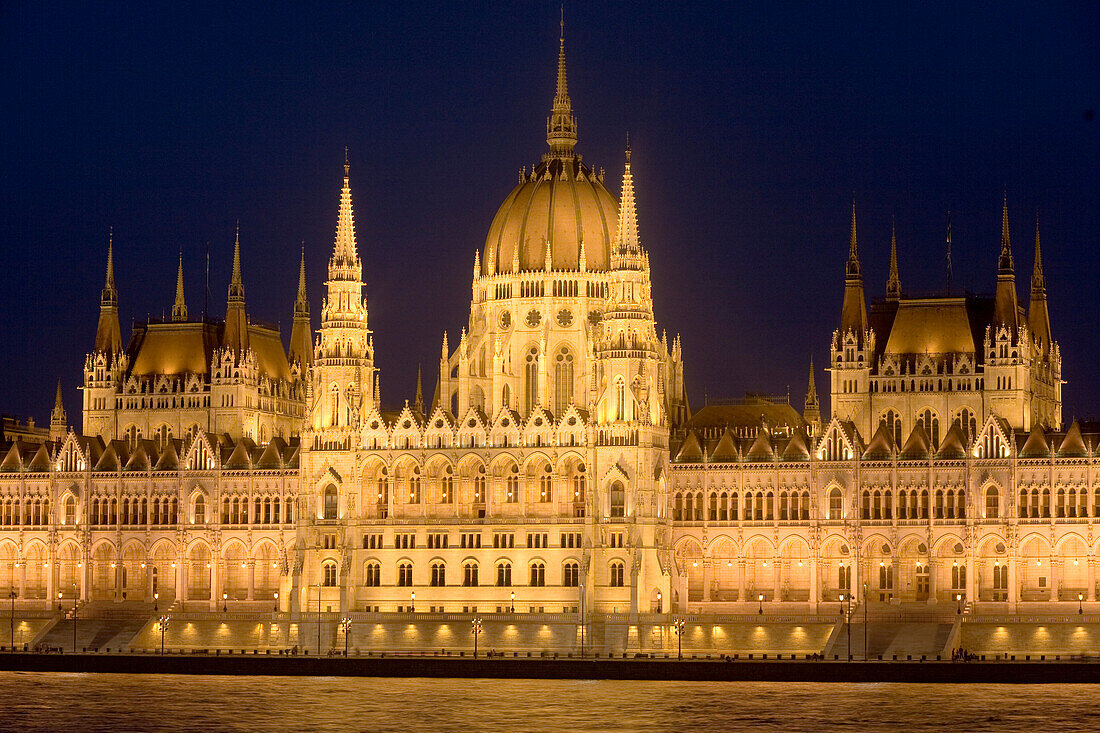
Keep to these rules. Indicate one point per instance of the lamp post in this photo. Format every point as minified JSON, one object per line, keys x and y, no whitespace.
{"x":865,"y":620}
{"x":847,"y":611}
{"x":156,"y":599}
{"x":58,"y":600}
{"x":412,"y":602}
{"x":345,"y":623}
{"x":319,"y":619}
{"x":164,"y":621}
{"x":276,"y":609}
{"x":12,"y":596}
{"x":1080,"y":602}
{"x":75,"y":602}
{"x":225,"y":602}
{"x":659,"y":604}
{"x":958,"y":603}
{"x":475,"y":628}
{"x":760,"y":606}
{"x":512,"y":608}
{"x":678,"y":627}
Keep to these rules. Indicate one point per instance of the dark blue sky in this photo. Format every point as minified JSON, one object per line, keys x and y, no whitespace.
{"x":751,"y":129}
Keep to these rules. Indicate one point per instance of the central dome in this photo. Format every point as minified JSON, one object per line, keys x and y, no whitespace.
{"x":561,"y":204}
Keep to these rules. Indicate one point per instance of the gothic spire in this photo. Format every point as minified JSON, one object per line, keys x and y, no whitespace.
{"x":893,"y":284}
{"x":108,"y":335}
{"x":236,"y":286}
{"x":853,"y":314}
{"x":626,"y":239}
{"x":301,"y":343}
{"x":345,"y":254}
{"x":57,"y":416}
{"x":235,"y":336}
{"x":418,"y":403}
{"x":561,"y":126}
{"x":179,"y":309}
{"x":1005,"y":308}
{"x":1038,"y":316}
{"x":811,"y":410}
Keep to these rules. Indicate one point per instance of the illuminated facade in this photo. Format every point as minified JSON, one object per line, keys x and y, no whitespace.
{"x":558,"y":467}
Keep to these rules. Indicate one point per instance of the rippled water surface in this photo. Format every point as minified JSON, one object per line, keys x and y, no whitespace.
{"x":103,"y":702}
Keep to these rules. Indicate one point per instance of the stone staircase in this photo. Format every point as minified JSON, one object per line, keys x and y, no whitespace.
{"x":887,"y":639}
{"x":99,"y":625}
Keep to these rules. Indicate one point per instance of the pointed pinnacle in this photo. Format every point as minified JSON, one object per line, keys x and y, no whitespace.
{"x":179,"y":308}
{"x":1005,"y":262}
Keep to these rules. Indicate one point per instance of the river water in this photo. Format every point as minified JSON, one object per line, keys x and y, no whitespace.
{"x":104,"y":702}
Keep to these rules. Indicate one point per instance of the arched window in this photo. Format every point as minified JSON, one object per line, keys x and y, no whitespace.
{"x":678,"y":507}
{"x":571,"y":575}
{"x":617,"y":575}
{"x":332,"y":502}
{"x":504,"y":574}
{"x":618,"y":500}
{"x":931,"y":423}
{"x":328,"y":573}
{"x":414,"y":486}
{"x":578,"y":484}
{"x":538,"y":574}
{"x":506,"y":396}
{"x":969,"y":424}
{"x":469,"y":574}
{"x":439,"y":574}
{"x":199,"y":510}
{"x":563,"y":380}
{"x":70,"y":511}
{"x":892,"y":420}
{"x":162,"y":435}
{"x":405,"y":574}
{"x":546,"y":486}
{"x":447,"y":486}
{"x":372,"y":574}
{"x":512,"y":485}
{"x":836,"y":505}
{"x":992,"y":503}
{"x":620,"y":399}
{"x":531,"y":378}
{"x":712,"y":513}
{"x":479,"y":485}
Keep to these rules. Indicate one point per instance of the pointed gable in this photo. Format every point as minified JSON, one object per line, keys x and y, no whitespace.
{"x":40,"y":461}
{"x":169,"y":458}
{"x":140,"y":457}
{"x":13,"y":459}
{"x":761,"y":448}
{"x":691,"y":450}
{"x":881,"y":447}
{"x":918,"y":446}
{"x":839,"y":441}
{"x":725,"y":450}
{"x":953,"y":447}
{"x":114,"y":457}
{"x":200,"y":454}
{"x":1073,"y":445}
{"x":272,"y":455}
{"x":239,"y":458}
{"x":993,"y":439}
{"x":1036,"y":445}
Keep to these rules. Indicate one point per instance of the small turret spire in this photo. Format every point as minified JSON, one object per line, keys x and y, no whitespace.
{"x":1005,"y":307}
{"x":57,"y":416}
{"x":627,"y":240}
{"x":345,"y":252}
{"x":853,"y":246}
{"x":418,"y":402}
{"x":811,"y":410}
{"x":1038,"y":282}
{"x":108,"y":335}
{"x":235,"y":336}
{"x":561,"y":127}
{"x":853,"y":314}
{"x":301,"y":347}
{"x":109,"y":296}
{"x":236,"y":286}
{"x":1005,"y":263}
{"x":179,"y":309}
{"x":301,"y":302}
{"x":893,"y":284}
{"x":1038,"y":315}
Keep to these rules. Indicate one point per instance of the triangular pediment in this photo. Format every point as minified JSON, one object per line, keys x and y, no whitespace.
{"x":993,"y":439}
{"x":201,"y":455}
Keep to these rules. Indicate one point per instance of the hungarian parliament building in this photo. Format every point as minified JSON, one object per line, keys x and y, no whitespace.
{"x":559,"y":467}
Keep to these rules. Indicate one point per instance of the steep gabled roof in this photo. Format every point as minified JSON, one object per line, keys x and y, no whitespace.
{"x":239,"y":458}
{"x":169,"y":459}
{"x":881,"y":447}
{"x":691,"y":451}
{"x":953,"y":447}
{"x":798,"y":447}
{"x":918,"y":446}
{"x":13,"y":459}
{"x":140,"y":457}
{"x":1073,"y":445}
{"x":761,"y":448}
{"x":1036,"y":445}
{"x":41,"y":460}
{"x":272,"y":455}
{"x":725,"y":450}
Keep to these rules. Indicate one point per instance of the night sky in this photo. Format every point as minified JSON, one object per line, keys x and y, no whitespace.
{"x":752,"y":128}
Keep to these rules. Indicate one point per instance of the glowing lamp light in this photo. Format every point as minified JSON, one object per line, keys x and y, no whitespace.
{"x":694,"y":564}
{"x":1038,"y":562}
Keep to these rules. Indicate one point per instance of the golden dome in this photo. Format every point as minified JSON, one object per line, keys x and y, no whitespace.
{"x":561,"y":204}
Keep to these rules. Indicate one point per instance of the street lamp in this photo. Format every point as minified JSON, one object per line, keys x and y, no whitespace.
{"x":760,"y":606}
{"x":512,"y":608}
{"x":276,"y":601}
{"x":678,"y":627}
{"x":847,"y":611}
{"x":475,"y":628}
{"x":58,"y":600}
{"x":76,"y":600}
{"x":163,"y":621}
{"x":225,"y":603}
{"x":156,"y":598}
{"x":345,"y":624}
{"x":659,"y":606}
{"x":1080,"y":601}
{"x":958,"y":603}
{"x":412,"y":602}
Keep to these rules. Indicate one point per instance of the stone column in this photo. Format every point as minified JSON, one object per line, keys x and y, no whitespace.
{"x":895,"y":575}
{"x":708,"y":575}
{"x":1090,"y":590}
{"x":51,"y":578}
{"x":177,"y":576}
{"x":777,"y":583}
{"x":970,"y":583}
{"x":932,"y":590}
{"x":215,"y":590}
{"x":741,"y":580}
{"x":117,"y":571}
{"x":815,"y":589}
{"x":1013,"y":584}
{"x":1057,"y":574}
{"x":251,"y":580}
{"x":22,"y":579}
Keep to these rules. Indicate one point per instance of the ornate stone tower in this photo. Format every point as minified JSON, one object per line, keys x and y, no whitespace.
{"x":105,"y":366}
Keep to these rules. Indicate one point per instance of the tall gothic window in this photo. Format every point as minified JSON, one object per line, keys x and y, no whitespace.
{"x":620,"y":400}
{"x":531,"y":378}
{"x":893,"y":423}
{"x":563,"y":380}
{"x":931,"y":424}
{"x":618,"y":500}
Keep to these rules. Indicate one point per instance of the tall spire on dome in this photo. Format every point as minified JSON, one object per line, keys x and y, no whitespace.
{"x":627,"y":241}
{"x":1038,"y":316}
{"x":301,"y":336}
{"x":108,"y":335}
{"x":1006,"y":309}
{"x":561,"y":126}
{"x":179,"y":309}
{"x":893,"y":284}
{"x":853,"y":315}
{"x":235,"y":336}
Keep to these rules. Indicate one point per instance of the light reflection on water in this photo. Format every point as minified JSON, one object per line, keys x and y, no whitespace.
{"x":102,"y":702}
